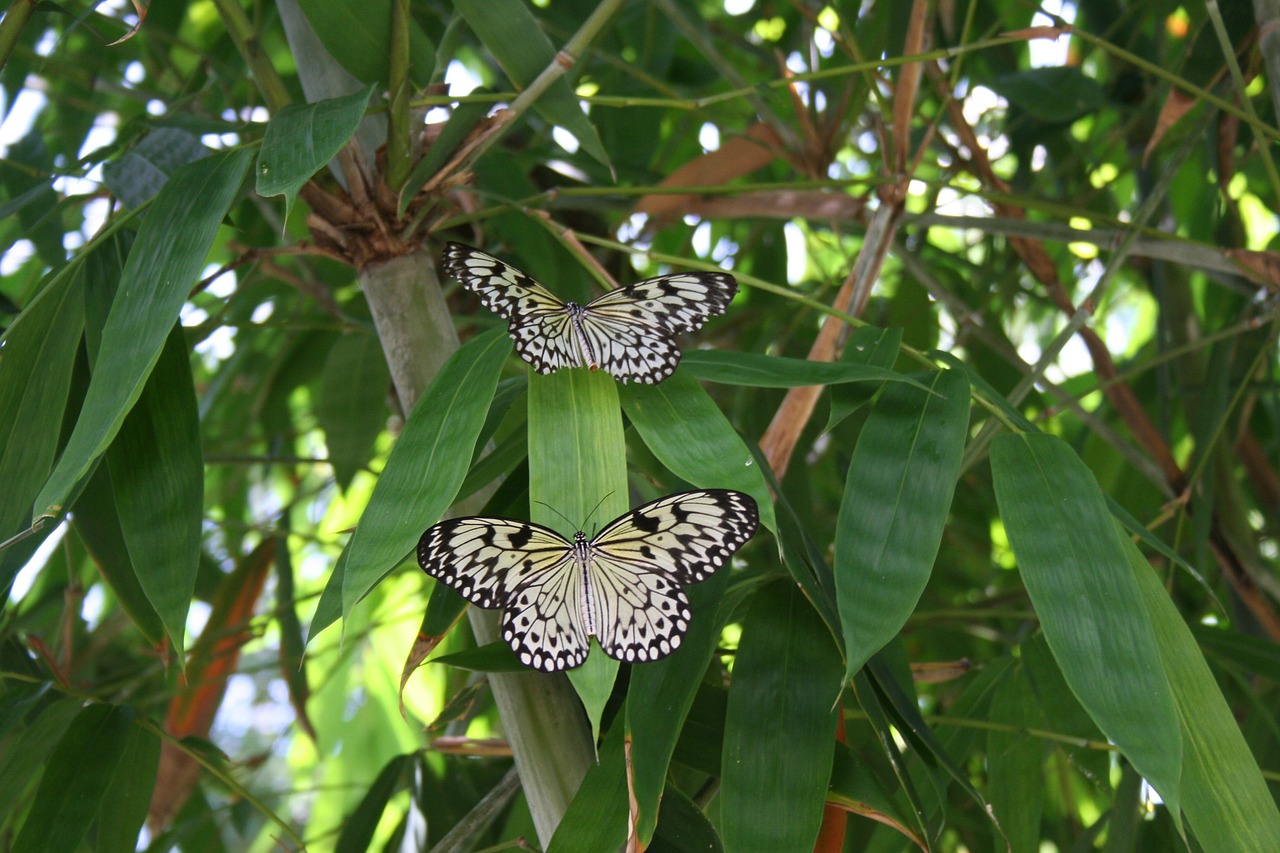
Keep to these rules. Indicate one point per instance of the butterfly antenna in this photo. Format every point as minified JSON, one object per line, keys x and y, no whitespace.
{"x":596,"y":507}
{"x":559,"y":513}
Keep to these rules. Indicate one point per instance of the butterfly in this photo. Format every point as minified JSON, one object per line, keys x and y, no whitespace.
{"x":629,"y":332}
{"x":624,"y":587}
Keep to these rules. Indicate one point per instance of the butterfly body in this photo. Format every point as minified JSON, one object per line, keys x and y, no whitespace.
{"x":628,"y":332}
{"x":624,"y":586}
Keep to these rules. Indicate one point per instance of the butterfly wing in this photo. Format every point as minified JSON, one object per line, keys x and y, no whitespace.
{"x":632,"y":329}
{"x":680,"y":302}
{"x":629,"y":350}
{"x":486,"y":560}
{"x":641,"y":561}
{"x":538,"y":321}
{"x":527,"y":570}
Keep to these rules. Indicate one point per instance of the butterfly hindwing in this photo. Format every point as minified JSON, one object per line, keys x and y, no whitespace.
{"x":641,"y":615}
{"x":543,"y":621}
{"x":628,"y":332}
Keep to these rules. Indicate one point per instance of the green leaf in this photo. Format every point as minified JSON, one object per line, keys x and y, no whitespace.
{"x":597,"y":817}
{"x":577,"y":464}
{"x":157,"y":477}
{"x":35,"y":381}
{"x":139,"y":174}
{"x":660,"y":694}
{"x":1052,"y":94}
{"x":427,"y":465}
{"x":26,"y":752}
{"x":870,"y":346}
{"x":76,"y":780}
{"x":166,"y":258}
{"x":124,"y":808}
{"x":1223,"y":793}
{"x":777,"y":765}
{"x":896,"y":498}
{"x":684,"y":827}
{"x":359,"y":827}
{"x":302,"y":138}
{"x":1076,"y":571}
{"x":356,"y":33}
{"x":516,"y":39}
{"x":1015,"y":763}
{"x":689,"y":434}
{"x":770,"y":371}
{"x":352,"y":409}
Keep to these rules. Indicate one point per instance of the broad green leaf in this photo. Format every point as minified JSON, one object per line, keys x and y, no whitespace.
{"x":358,"y":828}
{"x":684,"y":828}
{"x":777,"y":765}
{"x":352,"y":410}
{"x":138,"y":175}
{"x":35,"y":380}
{"x":515,"y":38}
{"x":96,"y":521}
{"x":427,"y":464}
{"x":1052,"y":94}
{"x":76,"y":780}
{"x":896,"y":499}
{"x":356,"y":33}
{"x":1076,"y":571}
{"x":1223,"y":793}
{"x":870,"y":346}
{"x":577,"y":465}
{"x":855,"y":788}
{"x":771,"y":371}
{"x":1015,"y":763}
{"x":302,"y":138}
{"x":689,"y":434}
{"x":597,"y":817}
{"x":166,"y":258}
{"x":26,"y":753}
{"x":157,"y":477}
{"x":660,"y":694}
{"x":124,"y":808}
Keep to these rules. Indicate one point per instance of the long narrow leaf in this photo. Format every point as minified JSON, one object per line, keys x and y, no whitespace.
{"x":777,"y":765}
{"x":163,"y":264}
{"x":896,"y":498}
{"x":1223,"y":792}
{"x":427,"y":465}
{"x":689,"y":434}
{"x":1077,"y":573}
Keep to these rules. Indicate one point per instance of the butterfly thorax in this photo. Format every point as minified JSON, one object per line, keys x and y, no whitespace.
{"x":590,"y":357}
{"x":582,"y":557}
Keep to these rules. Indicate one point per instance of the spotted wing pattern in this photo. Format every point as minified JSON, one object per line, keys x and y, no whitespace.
{"x":628,"y":332}
{"x":624,"y":586}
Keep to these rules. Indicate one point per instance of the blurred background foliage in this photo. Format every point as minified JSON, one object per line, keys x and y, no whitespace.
{"x":221,"y":229}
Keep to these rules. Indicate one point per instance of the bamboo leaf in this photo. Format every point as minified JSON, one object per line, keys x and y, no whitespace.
{"x":1222,"y":790}
{"x":769,"y":371}
{"x":76,"y":780}
{"x":166,"y":257}
{"x":302,"y":138}
{"x":426,"y":466}
{"x":896,"y":499}
{"x":689,"y":434}
{"x":157,"y":478}
{"x":577,"y":462}
{"x":777,"y":765}
{"x":1090,"y":607}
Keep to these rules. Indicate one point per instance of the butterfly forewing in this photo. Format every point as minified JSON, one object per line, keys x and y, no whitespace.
{"x":686,"y":536}
{"x":628,"y":332}
{"x":680,"y":302}
{"x":486,"y":560}
{"x":624,"y":586}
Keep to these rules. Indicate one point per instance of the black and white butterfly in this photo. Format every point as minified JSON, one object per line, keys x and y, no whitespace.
{"x":624,"y":587}
{"x":628,"y":332}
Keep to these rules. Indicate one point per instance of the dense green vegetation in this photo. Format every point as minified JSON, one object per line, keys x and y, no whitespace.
{"x":1001,"y":376}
